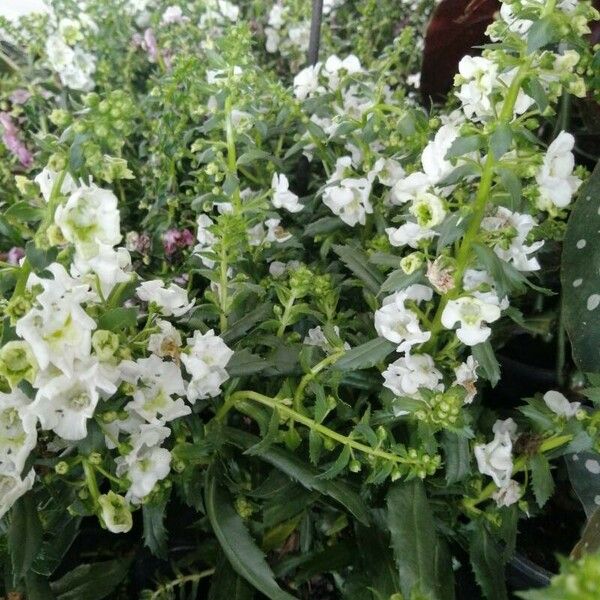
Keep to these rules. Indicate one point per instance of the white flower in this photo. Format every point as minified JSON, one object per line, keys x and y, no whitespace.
{"x":479,"y":75}
{"x":61,"y":331}
{"x":348,"y":197}
{"x":89,"y":218}
{"x":59,"y":54}
{"x":65,"y":403}
{"x":12,"y":487}
{"x":428,"y":210}
{"x":206,"y":364}
{"x":275,"y":232}
{"x":46,"y":180}
{"x":408,"y":374}
{"x":471,"y":313}
{"x":166,"y":342}
{"x":558,"y":404}
{"x":520,"y":26}
{"x":307,"y":81}
{"x":70,"y":30}
{"x":399,"y":324}
{"x":433,"y":158}
{"x":407,"y":188}
{"x":115,"y":512}
{"x":206,"y":239}
{"x":316,"y":337}
{"x":272,"y":40}
{"x":18,"y":434}
{"x":508,"y":426}
{"x":555,"y":179}
{"x":516,"y":227}
{"x":156,"y":382}
{"x":173,"y":14}
{"x":481,"y":285}
{"x":276,"y":16}
{"x":109,"y":265}
{"x":387,"y":170}
{"x":78,"y":74}
{"x":282,"y":197}
{"x":466,"y":376}
{"x":147,"y":463}
{"x":495,"y":459}
{"x":171,"y":300}
{"x":507,"y":495}
{"x":409,"y":234}
{"x":334,"y":65}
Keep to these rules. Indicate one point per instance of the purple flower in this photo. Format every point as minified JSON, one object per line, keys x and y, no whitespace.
{"x":151,"y":46}
{"x":14,"y":255}
{"x":20,"y":96}
{"x":13,"y":142}
{"x":173,"y":239}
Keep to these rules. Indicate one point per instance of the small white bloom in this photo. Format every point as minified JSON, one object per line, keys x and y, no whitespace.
{"x":428,"y":210}
{"x":115,"y":512}
{"x":555,"y":179}
{"x":316,"y":337}
{"x":334,"y":66}
{"x":272,"y":40}
{"x":495,"y":459}
{"x":387,"y":170}
{"x":409,"y":234}
{"x":433,"y":158}
{"x":307,"y":81}
{"x":109,"y":267}
{"x":60,"y":54}
{"x":479,"y":75}
{"x":558,"y":404}
{"x":502,"y":426}
{"x":399,"y":324}
{"x":12,"y":487}
{"x":171,"y":300}
{"x":471,"y":313}
{"x":275,"y":232}
{"x":466,"y":376}
{"x":166,"y":342}
{"x":282,"y":197}
{"x":18,"y":434}
{"x":46,"y":180}
{"x":408,"y":374}
{"x":507,"y":495}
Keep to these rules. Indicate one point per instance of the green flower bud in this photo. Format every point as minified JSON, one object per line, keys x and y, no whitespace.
{"x":17,"y":363}
{"x":95,"y":458}
{"x":61,"y":468}
{"x":243,"y":507}
{"x":355,"y":466}
{"x":409,"y":264}
{"x":115,"y":512}
{"x":59,"y":117}
{"x":105,"y":343}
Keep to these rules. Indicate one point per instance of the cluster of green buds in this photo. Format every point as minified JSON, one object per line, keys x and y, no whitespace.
{"x":17,"y":363}
{"x":417,"y":463}
{"x":442,"y":410}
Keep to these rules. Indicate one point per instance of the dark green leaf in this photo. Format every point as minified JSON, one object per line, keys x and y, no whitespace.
{"x":243,"y":325}
{"x":226,"y":584}
{"x":38,"y":587}
{"x":91,"y":581}
{"x":486,"y":359}
{"x":500,"y":140}
{"x":506,"y":278}
{"x":299,"y":471}
{"x":243,"y":362}
{"x":487,"y":562}
{"x":338,"y":465}
{"x":399,"y":280}
{"x":52,"y":550}
{"x":365,"y":356}
{"x":245,"y":556}
{"x":543,"y":484}
{"x":39,"y":259}
{"x":512,"y":184}
{"x":450,"y":230}
{"x":253,"y":155}
{"x":457,"y":455}
{"x":357,"y":261}
{"x":323,"y":225}
{"x":24,"y":535}
{"x":269,"y":437}
{"x":543,"y":32}
{"x":586,"y":483}
{"x":155,"y":534}
{"x":464,"y":145}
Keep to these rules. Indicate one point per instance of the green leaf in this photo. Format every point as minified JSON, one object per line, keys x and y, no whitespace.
{"x":450,"y":230}
{"x":24,"y":535}
{"x":543,"y":484}
{"x":365,"y":356}
{"x":269,"y":437}
{"x":299,"y":471}
{"x":53,"y":549}
{"x":226,"y":584}
{"x":38,"y":587}
{"x":91,"y":581}
{"x":589,"y":542}
{"x":464,"y":145}
{"x":500,"y":140}
{"x":245,"y":556}
{"x":253,"y":155}
{"x":249,"y":320}
{"x":585,"y":482}
{"x":506,"y":278}
{"x":39,"y":259}
{"x":155,"y":534}
{"x":458,"y":457}
{"x":243,"y":362}
{"x":399,"y":280}
{"x":543,"y":32}
{"x":487,"y":562}
{"x":459,"y":174}
{"x":512,"y":184}
{"x":358,"y":262}
{"x":486,"y":359}
{"x":580,"y":277}
{"x":323,"y":225}
{"x":414,"y":540}
{"x":23,"y":211}
{"x":338,"y":465}
{"x":117,"y":319}
{"x":535,"y":90}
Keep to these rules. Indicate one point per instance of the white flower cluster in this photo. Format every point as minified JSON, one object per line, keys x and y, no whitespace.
{"x":66,"y":55}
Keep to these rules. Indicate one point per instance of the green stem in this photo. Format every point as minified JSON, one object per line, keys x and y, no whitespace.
{"x":90,"y":480}
{"x":283,"y":409}
{"x":289,"y":305}
{"x":326,"y":362}
{"x":223,"y":291}
{"x":180,"y":581}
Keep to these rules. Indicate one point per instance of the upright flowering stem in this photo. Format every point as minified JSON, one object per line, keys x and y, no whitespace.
{"x":90,"y":480}
{"x":479,"y":206}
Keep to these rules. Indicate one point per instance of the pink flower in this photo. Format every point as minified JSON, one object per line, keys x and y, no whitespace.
{"x":174,"y":239}
{"x":14,"y":255}
{"x":20,"y":96}
{"x":13,"y":142}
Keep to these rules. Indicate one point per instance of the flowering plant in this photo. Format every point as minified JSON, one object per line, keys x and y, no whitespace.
{"x":258,"y":307}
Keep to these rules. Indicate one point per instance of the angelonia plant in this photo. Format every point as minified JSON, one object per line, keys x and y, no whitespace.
{"x":265,"y":298}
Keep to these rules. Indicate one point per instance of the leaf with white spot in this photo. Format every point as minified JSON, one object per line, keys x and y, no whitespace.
{"x":581,"y":277}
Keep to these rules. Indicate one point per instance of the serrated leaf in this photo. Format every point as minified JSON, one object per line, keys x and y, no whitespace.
{"x":24,"y":535}
{"x":399,"y":280}
{"x":315,"y":446}
{"x":357,"y":261}
{"x":245,"y":556}
{"x":269,"y":437}
{"x":243,"y":325}
{"x":487,"y":562}
{"x":486,"y":359}
{"x":541,"y":478}
{"x":580,"y":277}
{"x":299,"y":471}
{"x":155,"y":534}
{"x":414,"y":539}
{"x":338,"y":465}
{"x":365,"y":356}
